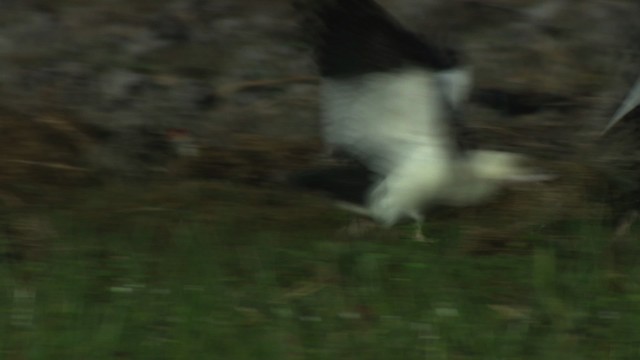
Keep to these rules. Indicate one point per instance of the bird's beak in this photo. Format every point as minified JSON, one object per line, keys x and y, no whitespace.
{"x":531,"y":178}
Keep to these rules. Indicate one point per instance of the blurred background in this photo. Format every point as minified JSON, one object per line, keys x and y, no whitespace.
{"x":96,"y":90}
{"x":143,"y":212}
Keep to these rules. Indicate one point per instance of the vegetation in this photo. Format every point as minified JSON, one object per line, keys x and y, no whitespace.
{"x":216,"y":271}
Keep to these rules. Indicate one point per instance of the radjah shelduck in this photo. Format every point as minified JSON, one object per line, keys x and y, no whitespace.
{"x":392,"y":102}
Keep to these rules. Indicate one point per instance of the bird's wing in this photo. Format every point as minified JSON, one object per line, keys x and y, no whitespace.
{"x":353,"y":37}
{"x":630,"y":102}
{"x":382,"y":117}
{"x":385,"y":90}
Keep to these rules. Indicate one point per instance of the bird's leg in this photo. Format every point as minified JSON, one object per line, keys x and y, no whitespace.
{"x":623,"y":228}
{"x":359,"y":226}
{"x":419,"y":235}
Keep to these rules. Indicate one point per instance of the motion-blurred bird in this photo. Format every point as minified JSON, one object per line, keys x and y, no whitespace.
{"x":391,"y":102}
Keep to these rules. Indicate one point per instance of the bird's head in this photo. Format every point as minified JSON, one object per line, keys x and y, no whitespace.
{"x":485,"y":173}
{"x":504,"y":167}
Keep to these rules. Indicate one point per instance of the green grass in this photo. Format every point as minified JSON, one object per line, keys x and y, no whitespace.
{"x":229,"y":273}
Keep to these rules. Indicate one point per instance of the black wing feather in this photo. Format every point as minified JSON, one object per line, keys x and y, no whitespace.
{"x":355,"y":37}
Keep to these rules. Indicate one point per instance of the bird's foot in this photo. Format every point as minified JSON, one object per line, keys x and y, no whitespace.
{"x":624,"y":227}
{"x":359,"y":227}
{"x":420,"y":237}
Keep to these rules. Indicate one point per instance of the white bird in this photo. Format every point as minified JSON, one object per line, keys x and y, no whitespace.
{"x":391,"y":101}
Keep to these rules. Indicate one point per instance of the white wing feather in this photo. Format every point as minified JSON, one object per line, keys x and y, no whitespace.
{"x":383,"y":117}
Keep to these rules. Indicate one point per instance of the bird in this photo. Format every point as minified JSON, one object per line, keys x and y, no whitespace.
{"x":628,"y":105}
{"x":392,"y":105}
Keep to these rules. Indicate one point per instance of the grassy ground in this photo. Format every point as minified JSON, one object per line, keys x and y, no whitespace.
{"x":206,"y":271}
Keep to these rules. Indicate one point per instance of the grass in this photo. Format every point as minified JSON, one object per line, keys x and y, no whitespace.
{"x":224,"y":272}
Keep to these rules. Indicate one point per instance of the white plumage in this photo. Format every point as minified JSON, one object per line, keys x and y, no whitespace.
{"x":392,"y":122}
{"x":395,"y":123}
{"x":380,"y":117}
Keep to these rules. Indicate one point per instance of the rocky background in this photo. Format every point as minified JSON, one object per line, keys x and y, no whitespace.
{"x":104,"y":89}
